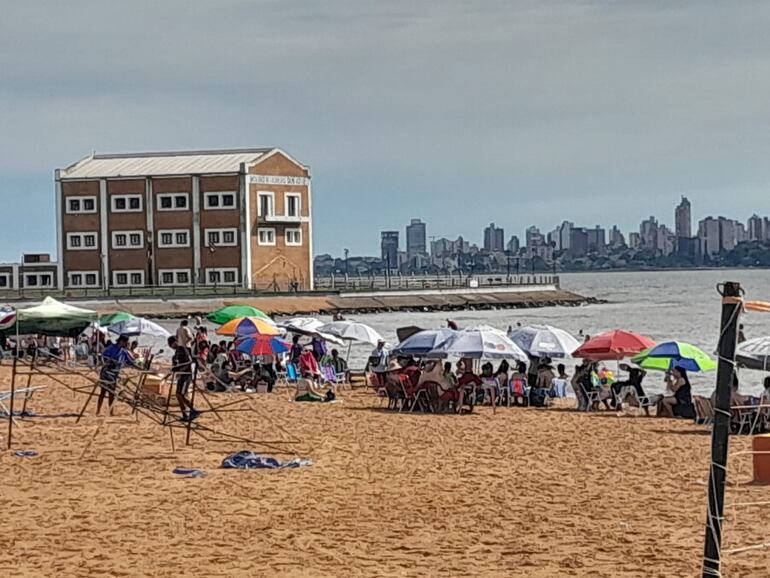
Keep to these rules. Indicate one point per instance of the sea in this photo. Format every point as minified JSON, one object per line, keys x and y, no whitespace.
{"x":664,"y":305}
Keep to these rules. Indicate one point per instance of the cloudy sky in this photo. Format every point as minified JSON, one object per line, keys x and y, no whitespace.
{"x":455,"y":111}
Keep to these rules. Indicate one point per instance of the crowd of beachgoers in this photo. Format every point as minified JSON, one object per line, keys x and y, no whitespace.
{"x":448,"y":369}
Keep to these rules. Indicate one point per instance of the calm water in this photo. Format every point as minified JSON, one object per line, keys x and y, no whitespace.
{"x":663,"y":305}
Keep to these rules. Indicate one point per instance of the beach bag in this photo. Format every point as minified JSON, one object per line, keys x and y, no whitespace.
{"x":537,"y":397}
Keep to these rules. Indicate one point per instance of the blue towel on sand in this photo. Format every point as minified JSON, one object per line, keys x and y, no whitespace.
{"x":25,"y":453}
{"x":251,"y":461}
{"x":189,"y":472}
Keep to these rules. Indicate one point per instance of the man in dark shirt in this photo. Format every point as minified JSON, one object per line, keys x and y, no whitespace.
{"x":181,"y":366}
{"x":113,"y":360}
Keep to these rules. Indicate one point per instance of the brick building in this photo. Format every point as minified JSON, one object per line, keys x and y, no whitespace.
{"x":223,"y":217}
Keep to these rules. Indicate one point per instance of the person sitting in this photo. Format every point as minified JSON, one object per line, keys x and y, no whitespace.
{"x":677,"y":401}
{"x":543,"y":387}
{"x":518,"y":385}
{"x":622,"y":389}
{"x":340,"y":366}
{"x":306,"y":390}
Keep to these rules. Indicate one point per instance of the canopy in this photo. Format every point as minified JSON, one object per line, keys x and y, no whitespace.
{"x":754,"y":353}
{"x":668,"y":355}
{"x":479,"y":343}
{"x":138,"y":326}
{"x":617,"y":344}
{"x":52,"y":317}
{"x":544,"y":341}
{"x":249,"y":326}
{"x":7,"y":318}
{"x":351,"y":331}
{"x":423,"y":342}
{"x":231,"y":312}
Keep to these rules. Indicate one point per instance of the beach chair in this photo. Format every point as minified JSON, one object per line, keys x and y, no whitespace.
{"x":490,"y":387}
{"x":704,"y":412}
{"x":592,"y":397}
{"x":412,"y":397}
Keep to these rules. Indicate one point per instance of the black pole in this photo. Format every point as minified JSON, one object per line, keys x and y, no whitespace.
{"x":720,"y":435}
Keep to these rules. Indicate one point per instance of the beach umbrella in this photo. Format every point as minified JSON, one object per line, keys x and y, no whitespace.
{"x":403,"y":333}
{"x":262,"y":345}
{"x":7,"y":318}
{"x":309,"y":326}
{"x":351,"y":331}
{"x":617,"y":344}
{"x":668,"y":355}
{"x":138,"y":326}
{"x":754,"y":353}
{"x":230,"y":312}
{"x":423,"y":342}
{"x":479,"y":343}
{"x":248,"y":326}
{"x":111,"y":318}
{"x":544,"y":341}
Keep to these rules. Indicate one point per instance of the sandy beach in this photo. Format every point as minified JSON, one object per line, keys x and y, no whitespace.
{"x":523,"y":492}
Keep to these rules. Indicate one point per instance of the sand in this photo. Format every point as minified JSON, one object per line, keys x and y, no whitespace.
{"x":523,"y":492}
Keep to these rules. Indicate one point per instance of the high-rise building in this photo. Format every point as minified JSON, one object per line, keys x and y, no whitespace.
{"x":616,"y":237}
{"x":596,"y":239}
{"x":534,"y":237}
{"x":389,"y":248}
{"x":513,"y":245}
{"x":683,"y":219}
{"x":756,"y":230}
{"x":720,"y":234}
{"x":416,"y":239}
{"x":648,"y":233}
{"x":494,"y":239}
{"x":578,"y":242}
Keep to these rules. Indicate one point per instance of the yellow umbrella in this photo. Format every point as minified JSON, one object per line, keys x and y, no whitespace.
{"x":248,"y":326}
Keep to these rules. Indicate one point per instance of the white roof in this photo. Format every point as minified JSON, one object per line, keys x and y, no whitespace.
{"x":162,"y":164}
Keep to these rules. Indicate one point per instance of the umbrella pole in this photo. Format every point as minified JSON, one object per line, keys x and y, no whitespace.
{"x":720,"y":435}
{"x":13,"y":394}
{"x":347,"y":357}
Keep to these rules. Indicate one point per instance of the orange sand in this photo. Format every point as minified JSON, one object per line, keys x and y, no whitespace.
{"x":519,"y":493}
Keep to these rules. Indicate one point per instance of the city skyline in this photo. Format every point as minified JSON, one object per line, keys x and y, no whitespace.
{"x":686,"y":234}
{"x":460,"y":112}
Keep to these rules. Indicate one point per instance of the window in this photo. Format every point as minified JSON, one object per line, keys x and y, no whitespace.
{"x":174,"y":276}
{"x":221,"y":237}
{"x":131,"y":278}
{"x":294,"y":237}
{"x":82,"y":278}
{"x":81,"y":241}
{"x":219,"y":200}
{"x":173,"y":201}
{"x":126,"y":203}
{"x":222,"y":276}
{"x":174,"y":238}
{"x":80,"y":205}
{"x":266,"y":236}
{"x":266,"y":204}
{"x":127,"y":239}
{"x":38,"y":280}
{"x":5,"y":280}
{"x":292,"y":204}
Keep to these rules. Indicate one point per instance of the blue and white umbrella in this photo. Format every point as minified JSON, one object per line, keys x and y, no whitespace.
{"x":544,"y":341}
{"x":138,"y":326}
{"x":423,"y":342}
{"x":479,"y":343}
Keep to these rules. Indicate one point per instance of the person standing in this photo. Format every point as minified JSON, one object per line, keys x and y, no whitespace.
{"x":181,"y":366}
{"x":114,"y":358}
{"x":184,"y":335}
{"x":378,"y":361}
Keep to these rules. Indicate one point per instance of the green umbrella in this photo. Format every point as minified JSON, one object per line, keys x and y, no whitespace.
{"x":222,"y":316}
{"x":670,"y":354}
{"x":117,"y":317}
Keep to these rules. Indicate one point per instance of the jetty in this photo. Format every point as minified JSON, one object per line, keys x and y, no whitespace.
{"x":341,"y":295}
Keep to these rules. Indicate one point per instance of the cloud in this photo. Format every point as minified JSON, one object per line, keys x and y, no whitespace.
{"x":459,"y":112}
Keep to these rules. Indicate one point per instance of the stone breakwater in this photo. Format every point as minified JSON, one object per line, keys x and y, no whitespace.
{"x":328,"y":304}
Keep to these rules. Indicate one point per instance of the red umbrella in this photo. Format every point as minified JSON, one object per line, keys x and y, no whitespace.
{"x":616,"y":344}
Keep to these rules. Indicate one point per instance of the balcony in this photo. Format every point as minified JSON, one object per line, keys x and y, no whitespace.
{"x":289,"y":219}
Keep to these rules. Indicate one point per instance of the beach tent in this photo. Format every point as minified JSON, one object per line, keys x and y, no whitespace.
{"x":52,"y":317}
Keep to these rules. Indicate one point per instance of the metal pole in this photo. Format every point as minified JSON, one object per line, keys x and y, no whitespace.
{"x":720,"y":435}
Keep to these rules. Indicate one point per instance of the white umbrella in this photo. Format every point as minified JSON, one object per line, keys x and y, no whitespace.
{"x":544,"y":341}
{"x":754,"y":353}
{"x":479,"y":343}
{"x":351,"y":331}
{"x":309,"y":326}
{"x":138,"y":326}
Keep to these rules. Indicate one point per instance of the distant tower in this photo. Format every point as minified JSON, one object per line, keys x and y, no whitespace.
{"x":683,"y":220}
{"x":416,"y":238}
{"x":494,"y":239}
{"x":389,"y":248}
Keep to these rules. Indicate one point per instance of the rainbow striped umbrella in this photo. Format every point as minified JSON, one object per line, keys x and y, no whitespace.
{"x":243,"y":326}
{"x":262,"y":345}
